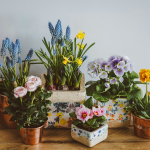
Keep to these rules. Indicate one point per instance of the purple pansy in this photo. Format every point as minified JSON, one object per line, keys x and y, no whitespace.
{"x":114,"y":63}
{"x":103,"y":75}
{"x":121,"y":64}
{"x":113,"y":80}
{"x":119,"y":72}
{"x":126,"y":68}
{"x":98,"y":61}
{"x":103,"y":64}
{"x":121,"y":79}
{"x":111,"y":58}
{"x":91,"y":66}
{"x":96,"y":72}
{"x":108,"y":67}
{"x":107,"y":84}
{"x":107,"y":79}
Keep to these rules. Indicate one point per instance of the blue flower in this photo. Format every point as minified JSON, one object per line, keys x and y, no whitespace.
{"x":15,"y":53}
{"x":84,"y":58}
{"x":51,"y":28}
{"x":62,"y":43}
{"x":68,"y":31}
{"x":52,"y":41}
{"x":54,"y":52}
{"x":19,"y":60}
{"x":13,"y":79}
{"x":19,"y":46}
{"x":8,"y":62}
{"x":9,"y":45}
{"x":29,"y":55}
{"x":4,"y":47}
{"x":57,"y":30}
{"x":61,"y":33}
{"x":1,"y":65}
{"x":12,"y":63}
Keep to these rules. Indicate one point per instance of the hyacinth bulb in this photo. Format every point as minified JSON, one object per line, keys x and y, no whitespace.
{"x":57,"y":30}
{"x":19,"y":46}
{"x":68,"y":31}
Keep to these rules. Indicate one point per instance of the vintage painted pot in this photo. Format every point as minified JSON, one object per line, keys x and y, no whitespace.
{"x":141,"y":127}
{"x":32,"y":136}
{"x":89,"y":138}
{"x":116,"y":116}
{"x":4,"y":118}
{"x":64,"y":102}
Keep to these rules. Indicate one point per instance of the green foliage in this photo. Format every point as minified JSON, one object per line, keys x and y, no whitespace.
{"x":88,"y":103}
{"x":33,"y":112}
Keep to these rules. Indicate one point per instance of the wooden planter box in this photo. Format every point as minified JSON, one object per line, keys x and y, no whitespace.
{"x":64,"y":102}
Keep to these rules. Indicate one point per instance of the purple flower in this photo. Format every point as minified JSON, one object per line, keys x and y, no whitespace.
{"x":98,"y":61}
{"x":91,"y":66}
{"x":131,"y":67}
{"x":107,"y":84}
{"x":108,"y":67}
{"x":111,"y":58}
{"x":107,"y":79}
{"x":121,"y":64}
{"x":103,"y":64}
{"x":103,"y":75}
{"x":126,"y":68}
{"x":113,"y":80}
{"x":114,"y":63}
{"x":119,"y":72}
{"x":121,"y":79}
{"x":96,"y":72}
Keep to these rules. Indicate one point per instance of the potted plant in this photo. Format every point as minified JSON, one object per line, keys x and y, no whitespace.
{"x":8,"y":75}
{"x":140,"y":107}
{"x":63,"y":60}
{"x":89,"y":124}
{"x":116,"y":79}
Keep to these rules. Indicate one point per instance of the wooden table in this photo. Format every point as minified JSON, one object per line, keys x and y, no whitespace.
{"x":60,"y":139}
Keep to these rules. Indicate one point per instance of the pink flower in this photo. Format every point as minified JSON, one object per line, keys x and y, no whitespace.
{"x":30,"y":86}
{"x":83,"y":114}
{"x":103,"y":111}
{"x":91,"y":114}
{"x":78,"y":108}
{"x":97,"y":111}
{"x":20,"y":91}
{"x":35,"y":79}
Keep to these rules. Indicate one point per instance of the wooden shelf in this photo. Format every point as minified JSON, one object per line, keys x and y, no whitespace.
{"x":60,"y":139}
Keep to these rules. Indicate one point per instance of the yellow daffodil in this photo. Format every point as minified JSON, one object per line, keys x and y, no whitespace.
{"x":60,"y":114}
{"x":65,"y":60}
{"x":62,"y":121}
{"x":79,"y":61}
{"x":82,"y":46}
{"x":49,"y":114}
{"x":80,"y":35}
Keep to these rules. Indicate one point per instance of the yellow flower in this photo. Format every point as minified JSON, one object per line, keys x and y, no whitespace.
{"x":144,"y":75}
{"x":79,"y":61}
{"x":56,"y":124}
{"x":123,"y":110}
{"x":65,"y":60}
{"x":62,"y":121}
{"x":82,"y":46}
{"x":80,"y":35}
{"x":60,"y":114}
{"x":49,"y":114}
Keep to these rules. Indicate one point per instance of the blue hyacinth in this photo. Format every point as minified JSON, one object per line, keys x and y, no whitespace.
{"x":1,"y":65}
{"x":51,"y":28}
{"x":61,"y":33}
{"x":9,"y":45}
{"x":52,"y":41}
{"x":19,"y":46}
{"x":68,"y":31}
{"x":19,"y":60}
{"x":54,"y":52}
{"x":8,"y":62}
{"x":29,"y":55}
{"x":14,"y":53}
{"x":12,"y":63}
{"x":57,"y":30}
{"x":62,"y":43}
{"x":4,"y":47}
{"x":13,"y":79}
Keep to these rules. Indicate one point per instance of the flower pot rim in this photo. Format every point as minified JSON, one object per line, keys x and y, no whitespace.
{"x":139,"y":117}
{"x":92,"y":131}
{"x":34,"y":128}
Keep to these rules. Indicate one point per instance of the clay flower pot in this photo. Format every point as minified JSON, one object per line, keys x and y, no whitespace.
{"x":4,"y":118}
{"x":89,"y":138}
{"x":141,"y":127}
{"x":32,"y":136}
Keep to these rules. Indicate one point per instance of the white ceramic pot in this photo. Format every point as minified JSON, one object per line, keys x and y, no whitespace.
{"x":89,"y":138}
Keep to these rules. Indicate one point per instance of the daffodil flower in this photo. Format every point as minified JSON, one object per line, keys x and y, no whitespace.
{"x":80,"y":35}
{"x":66,"y":60}
{"x":82,"y":46}
{"x":79,"y":61}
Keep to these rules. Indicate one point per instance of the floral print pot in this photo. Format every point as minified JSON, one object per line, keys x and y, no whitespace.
{"x":89,"y":138}
{"x":115,"y":114}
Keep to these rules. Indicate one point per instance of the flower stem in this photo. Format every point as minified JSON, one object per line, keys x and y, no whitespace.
{"x":146,"y":92}
{"x":21,"y":100}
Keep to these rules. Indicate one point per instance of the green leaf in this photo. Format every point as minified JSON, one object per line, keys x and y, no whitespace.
{"x":95,"y":125}
{"x":31,"y":110}
{"x":133,"y":75}
{"x":90,"y":83}
{"x":138,"y":82}
{"x":88,"y":103}
{"x":145,"y":114}
{"x":19,"y":127}
{"x":73,"y":115}
{"x":91,"y":89}
{"x":100,"y":88}
{"x":12,"y":118}
{"x":91,"y":121}
{"x":102,"y":97}
{"x":75,"y":122}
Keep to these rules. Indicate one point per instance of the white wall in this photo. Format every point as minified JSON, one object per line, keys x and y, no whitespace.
{"x":117,"y":26}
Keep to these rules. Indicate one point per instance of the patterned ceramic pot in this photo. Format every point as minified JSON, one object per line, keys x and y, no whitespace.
{"x":89,"y":138}
{"x":64,"y":102}
{"x":141,"y":127}
{"x":116,"y":116}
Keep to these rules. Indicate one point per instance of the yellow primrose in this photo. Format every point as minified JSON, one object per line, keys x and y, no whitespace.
{"x":79,"y":61}
{"x":60,"y":114}
{"x":80,"y":35}
{"x":65,"y":60}
{"x":82,"y":46}
{"x":62,"y":121}
{"x":49,"y":114}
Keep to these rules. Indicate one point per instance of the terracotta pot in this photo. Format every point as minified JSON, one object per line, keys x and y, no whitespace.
{"x":4,"y":118}
{"x":32,"y":136}
{"x":141,"y":127}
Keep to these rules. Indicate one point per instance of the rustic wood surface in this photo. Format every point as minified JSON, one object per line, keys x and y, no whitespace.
{"x":60,"y":139}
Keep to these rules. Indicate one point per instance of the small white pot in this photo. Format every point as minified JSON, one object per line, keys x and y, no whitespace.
{"x":89,"y":138}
